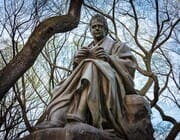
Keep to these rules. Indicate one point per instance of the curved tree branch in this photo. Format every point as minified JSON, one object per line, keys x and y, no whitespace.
{"x":37,"y":40}
{"x":175,"y":130}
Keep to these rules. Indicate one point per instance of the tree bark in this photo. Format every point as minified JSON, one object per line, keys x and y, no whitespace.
{"x":174,"y":132}
{"x":37,"y":40}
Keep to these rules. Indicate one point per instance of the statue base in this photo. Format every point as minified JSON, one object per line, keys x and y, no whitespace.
{"x":73,"y":131}
{"x":138,"y":126}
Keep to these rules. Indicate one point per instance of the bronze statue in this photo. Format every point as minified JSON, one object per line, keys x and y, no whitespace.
{"x":95,"y":91}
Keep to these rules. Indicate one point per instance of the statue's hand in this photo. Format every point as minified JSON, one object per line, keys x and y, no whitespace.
{"x":82,"y":54}
{"x":101,"y":54}
{"x":91,"y":54}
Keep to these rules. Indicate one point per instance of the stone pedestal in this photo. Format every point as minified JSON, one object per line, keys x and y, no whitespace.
{"x":73,"y":131}
{"x":137,"y":118}
{"x":137,"y":108}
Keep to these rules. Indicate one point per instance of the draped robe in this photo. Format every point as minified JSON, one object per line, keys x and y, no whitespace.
{"x":106,"y":83}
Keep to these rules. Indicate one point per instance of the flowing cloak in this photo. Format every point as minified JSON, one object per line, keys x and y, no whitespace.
{"x":108,"y":83}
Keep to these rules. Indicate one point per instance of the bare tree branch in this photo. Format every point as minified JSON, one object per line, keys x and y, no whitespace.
{"x":26,"y":58}
{"x":136,"y":28}
{"x":174,"y":132}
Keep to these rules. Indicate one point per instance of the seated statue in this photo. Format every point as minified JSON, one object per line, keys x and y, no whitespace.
{"x":95,"y":91}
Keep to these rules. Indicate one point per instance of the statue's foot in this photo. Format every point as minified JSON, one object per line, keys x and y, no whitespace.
{"x":49,"y":124}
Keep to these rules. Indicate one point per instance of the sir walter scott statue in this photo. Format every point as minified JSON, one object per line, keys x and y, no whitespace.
{"x":100,"y":91}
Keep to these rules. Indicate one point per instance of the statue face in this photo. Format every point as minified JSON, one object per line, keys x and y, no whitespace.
{"x":97,"y":30}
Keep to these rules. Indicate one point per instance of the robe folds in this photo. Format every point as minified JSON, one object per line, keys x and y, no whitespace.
{"x":105,"y":84}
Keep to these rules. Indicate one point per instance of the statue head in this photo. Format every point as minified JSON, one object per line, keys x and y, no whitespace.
{"x":98,"y":21}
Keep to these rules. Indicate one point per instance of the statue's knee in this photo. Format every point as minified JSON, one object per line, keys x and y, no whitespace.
{"x":58,"y":115}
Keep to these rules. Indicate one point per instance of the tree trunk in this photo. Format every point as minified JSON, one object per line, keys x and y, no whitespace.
{"x":37,"y":40}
